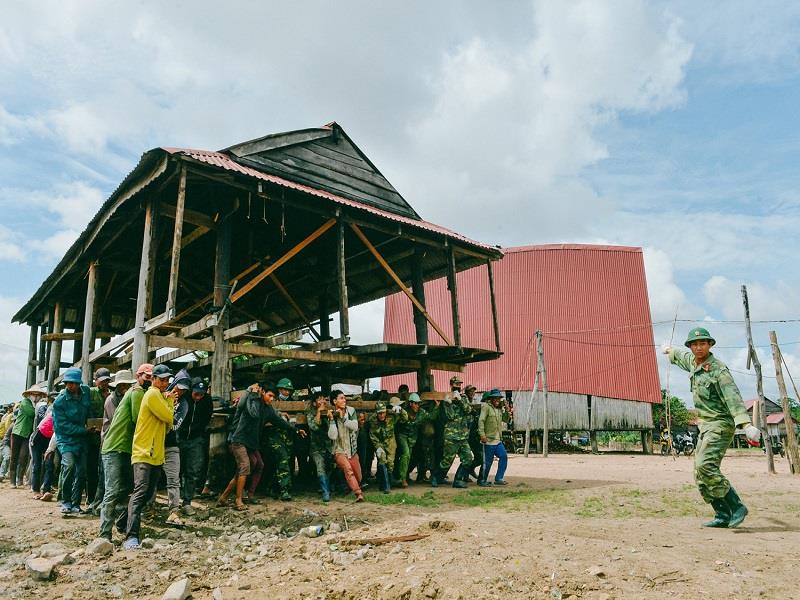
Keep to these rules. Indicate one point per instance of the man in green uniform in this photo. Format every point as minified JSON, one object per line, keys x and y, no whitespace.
{"x":454,"y":413}
{"x":720,"y":408}
{"x":95,"y":478}
{"x":407,"y":433}
{"x":321,"y":447}
{"x":381,"y":432}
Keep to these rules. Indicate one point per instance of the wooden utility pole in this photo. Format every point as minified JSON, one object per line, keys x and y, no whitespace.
{"x":752,"y":356}
{"x":220,"y":361}
{"x":543,"y":375}
{"x":791,"y":439}
{"x":424,"y":378}
{"x":540,"y":376}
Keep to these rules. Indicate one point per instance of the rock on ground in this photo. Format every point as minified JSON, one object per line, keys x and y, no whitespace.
{"x":41,"y":569}
{"x":100,"y":546}
{"x":179,"y":590}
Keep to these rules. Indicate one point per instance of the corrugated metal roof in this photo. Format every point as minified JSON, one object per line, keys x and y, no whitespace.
{"x":223,"y":161}
{"x":590,"y":301}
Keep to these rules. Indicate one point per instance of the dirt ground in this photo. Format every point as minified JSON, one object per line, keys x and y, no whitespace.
{"x":582,"y":526}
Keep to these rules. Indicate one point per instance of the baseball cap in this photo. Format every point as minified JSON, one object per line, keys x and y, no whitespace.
{"x":162,"y":371}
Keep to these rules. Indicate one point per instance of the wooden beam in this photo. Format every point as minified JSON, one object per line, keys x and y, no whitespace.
{"x":71,"y":336}
{"x":495,"y":323}
{"x":244,"y":329}
{"x":282,"y":260}
{"x":55,"y":347}
{"x":171,"y":341}
{"x":157,"y":321}
{"x":145,"y":287}
{"x":89,"y":322}
{"x":295,"y":306}
{"x":207,"y":322}
{"x":115,"y":343}
{"x":190,"y":216}
{"x":399,"y":282}
{"x":335,"y":357}
{"x":424,"y":375}
{"x":344,"y":316}
{"x":175,"y":262}
{"x":452,"y":285}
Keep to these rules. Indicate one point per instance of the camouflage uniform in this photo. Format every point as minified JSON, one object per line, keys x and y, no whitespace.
{"x":455,"y":417}
{"x":720,"y":408}
{"x":407,"y":433}
{"x":279,"y":444}
{"x":381,"y":433}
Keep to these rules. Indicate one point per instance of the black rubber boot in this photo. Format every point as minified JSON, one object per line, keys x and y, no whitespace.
{"x":325,"y":486}
{"x":436,"y":477}
{"x":384,"y":477}
{"x":458,"y":479}
{"x":736,"y":507}
{"x":722,"y":514}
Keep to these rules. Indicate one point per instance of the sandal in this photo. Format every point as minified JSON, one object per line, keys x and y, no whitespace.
{"x":222,"y":502}
{"x":47,"y":497}
{"x":240,"y":507}
{"x":359,"y":497}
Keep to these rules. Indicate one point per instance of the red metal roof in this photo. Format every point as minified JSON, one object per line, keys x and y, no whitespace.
{"x":590,"y":302}
{"x":223,"y":161}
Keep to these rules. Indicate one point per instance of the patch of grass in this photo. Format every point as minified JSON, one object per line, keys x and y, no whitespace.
{"x":632,"y":502}
{"x":425,"y":500}
{"x":488,"y":497}
{"x":594,"y":506}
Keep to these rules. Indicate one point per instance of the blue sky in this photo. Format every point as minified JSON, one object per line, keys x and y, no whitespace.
{"x":666,"y":126}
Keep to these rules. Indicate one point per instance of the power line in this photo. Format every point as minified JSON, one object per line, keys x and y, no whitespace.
{"x":653,"y":323}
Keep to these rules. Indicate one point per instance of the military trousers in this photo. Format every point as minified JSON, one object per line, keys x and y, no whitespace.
{"x":714,"y":441}
{"x":405,"y":444}
{"x":451,"y":449}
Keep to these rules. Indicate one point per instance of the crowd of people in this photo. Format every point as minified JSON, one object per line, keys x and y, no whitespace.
{"x":115,"y":443}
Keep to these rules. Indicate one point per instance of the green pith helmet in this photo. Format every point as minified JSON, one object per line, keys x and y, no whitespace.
{"x":414,"y":397}
{"x":380,"y":407}
{"x":286,"y":384}
{"x":699,"y":333}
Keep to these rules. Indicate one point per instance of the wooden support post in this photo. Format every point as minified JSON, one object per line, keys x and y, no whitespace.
{"x":753,"y":356}
{"x":324,"y":316}
{"x":282,"y":260}
{"x":145,"y":289}
{"x":453,"y":287}
{"x":30,"y":377}
{"x":89,"y":322}
{"x":424,"y":376}
{"x":55,"y":347}
{"x":344,"y":316}
{"x":791,"y":438}
{"x":493,"y":298}
{"x":399,"y":282}
{"x":647,"y":441}
{"x":221,"y":363}
{"x":175,"y":263}
{"x":593,"y":441}
{"x":41,"y":368}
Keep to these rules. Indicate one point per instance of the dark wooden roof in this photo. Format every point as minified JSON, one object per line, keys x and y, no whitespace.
{"x":324,"y":158}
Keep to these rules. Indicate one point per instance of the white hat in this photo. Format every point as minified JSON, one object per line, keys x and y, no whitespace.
{"x":123,"y":377}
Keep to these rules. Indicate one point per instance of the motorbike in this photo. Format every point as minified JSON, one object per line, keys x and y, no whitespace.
{"x":684,"y":443}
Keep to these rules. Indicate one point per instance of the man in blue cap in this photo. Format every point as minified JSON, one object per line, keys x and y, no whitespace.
{"x":70,"y":411}
{"x":720,"y":408}
{"x":192,"y":441}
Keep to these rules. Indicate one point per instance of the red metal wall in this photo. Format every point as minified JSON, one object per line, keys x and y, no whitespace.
{"x":590,"y":302}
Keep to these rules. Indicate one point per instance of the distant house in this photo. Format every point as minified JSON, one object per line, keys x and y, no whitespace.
{"x":776,"y":425}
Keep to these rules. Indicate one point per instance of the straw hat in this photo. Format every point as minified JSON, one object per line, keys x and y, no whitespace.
{"x":34,"y":389}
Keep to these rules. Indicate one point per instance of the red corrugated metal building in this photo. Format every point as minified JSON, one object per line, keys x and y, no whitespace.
{"x":590,"y":302}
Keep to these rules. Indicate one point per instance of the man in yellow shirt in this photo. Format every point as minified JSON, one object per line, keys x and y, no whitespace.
{"x":155,"y":417}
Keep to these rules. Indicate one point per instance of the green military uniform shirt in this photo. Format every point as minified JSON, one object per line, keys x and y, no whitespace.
{"x":382,"y":432}
{"x":715,"y":395}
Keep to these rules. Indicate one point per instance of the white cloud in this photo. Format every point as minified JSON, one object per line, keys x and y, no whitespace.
{"x":513,"y":128}
{"x":13,"y":351}
{"x":779,"y":301}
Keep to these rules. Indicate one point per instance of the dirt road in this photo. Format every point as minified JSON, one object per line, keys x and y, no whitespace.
{"x":583,"y":526}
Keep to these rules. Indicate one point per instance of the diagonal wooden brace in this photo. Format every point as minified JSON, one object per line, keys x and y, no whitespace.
{"x":399,"y":282}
